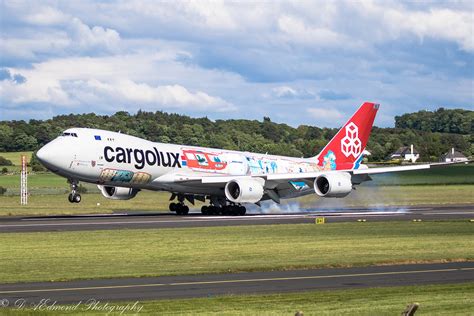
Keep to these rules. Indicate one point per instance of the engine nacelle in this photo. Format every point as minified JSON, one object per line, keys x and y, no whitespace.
{"x":337,"y":184}
{"x":117,"y":193}
{"x":244,"y":190}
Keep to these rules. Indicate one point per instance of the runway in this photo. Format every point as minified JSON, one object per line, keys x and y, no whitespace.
{"x":168,"y":220}
{"x":132,"y":289}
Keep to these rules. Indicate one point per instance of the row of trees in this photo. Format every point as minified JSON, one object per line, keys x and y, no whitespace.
{"x":248,"y":135}
{"x":442,"y":121}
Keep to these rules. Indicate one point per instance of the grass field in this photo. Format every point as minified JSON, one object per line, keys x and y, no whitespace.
{"x":15,"y":158}
{"x":458,"y":174}
{"x":447,"y":299}
{"x":135,"y":253}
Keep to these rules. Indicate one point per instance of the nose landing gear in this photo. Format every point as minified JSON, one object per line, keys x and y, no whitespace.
{"x":74,"y":197}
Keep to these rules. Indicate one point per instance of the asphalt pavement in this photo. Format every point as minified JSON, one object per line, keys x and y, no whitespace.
{"x":209,"y":285}
{"x":168,"y":220}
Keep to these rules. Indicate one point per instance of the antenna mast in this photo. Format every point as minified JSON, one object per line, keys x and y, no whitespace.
{"x":24,"y":181}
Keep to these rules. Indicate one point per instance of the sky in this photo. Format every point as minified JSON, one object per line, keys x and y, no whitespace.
{"x":297,"y":62}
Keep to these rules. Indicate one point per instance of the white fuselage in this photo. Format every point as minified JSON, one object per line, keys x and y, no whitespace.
{"x":115,"y":159}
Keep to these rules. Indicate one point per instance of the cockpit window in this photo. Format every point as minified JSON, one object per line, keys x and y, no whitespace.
{"x":69,"y":134}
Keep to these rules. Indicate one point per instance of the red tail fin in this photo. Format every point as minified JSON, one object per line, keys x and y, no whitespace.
{"x":345,"y":149}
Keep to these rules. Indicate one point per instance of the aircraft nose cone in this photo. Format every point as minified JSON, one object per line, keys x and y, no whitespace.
{"x":46,"y":156}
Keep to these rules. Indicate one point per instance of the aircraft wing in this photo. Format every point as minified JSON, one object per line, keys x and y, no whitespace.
{"x":206,"y":178}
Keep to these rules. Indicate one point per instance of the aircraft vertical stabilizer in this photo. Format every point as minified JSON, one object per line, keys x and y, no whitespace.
{"x":346,"y":148}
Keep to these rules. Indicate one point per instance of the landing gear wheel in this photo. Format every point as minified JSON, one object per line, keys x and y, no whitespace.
{"x":77,"y":198}
{"x":242,"y":210}
{"x":173,"y":207}
{"x":74,"y":197}
{"x":179,"y":208}
{"x":184,"y":210}
{"x":205,"y":210}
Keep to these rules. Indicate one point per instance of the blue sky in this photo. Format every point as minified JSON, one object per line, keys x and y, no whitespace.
{"x":298,"y":62}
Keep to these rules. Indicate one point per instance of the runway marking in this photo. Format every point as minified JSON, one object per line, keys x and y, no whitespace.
{"x":149,"y":222}
{"x":199,"y":219}
{"x":234,"y":281}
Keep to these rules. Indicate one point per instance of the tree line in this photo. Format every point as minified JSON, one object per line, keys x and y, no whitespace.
{"x":432,"y":133}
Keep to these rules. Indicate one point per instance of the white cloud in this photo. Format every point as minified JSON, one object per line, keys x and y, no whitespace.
{"x":326,"y":115}
{"x":104,"y":83}
{"x":56,"y":34}
{"x":438,"y":23}
{"x":96,"y":37}
{"x":223,"y":54}
{"x":46,"y":16}
{"x":297,"y":31}
{"x":142,"y":95}
{"x":284,"y":91}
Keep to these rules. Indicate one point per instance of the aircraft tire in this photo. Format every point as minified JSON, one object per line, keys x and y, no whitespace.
{"x":242,"y":210}
{"x":76,"y":198}
{"x":226,"y":210}
{"x":233,"y":210}
{"x":173,"y":207}
{"x":184,"y":210}
{"x":70,"y":198}
{"x":214,"y":210}
{"x":205,"y":210}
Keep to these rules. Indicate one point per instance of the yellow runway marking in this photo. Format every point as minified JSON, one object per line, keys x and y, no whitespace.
{"x":233,"y":281}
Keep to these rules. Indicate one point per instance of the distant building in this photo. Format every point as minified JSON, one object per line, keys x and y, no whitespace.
{"x":406,"y":153}
{"x":453,"y":156}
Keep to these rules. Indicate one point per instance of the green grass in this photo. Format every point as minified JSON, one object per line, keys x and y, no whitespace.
{"x":15,"y":158}
{"x":90,"y":204}
{"x":136,"y":253}
{"x":44,"y":180}
{"x":433,"y":300}
{"x":446,"y":299}
{"x":458,"y":174}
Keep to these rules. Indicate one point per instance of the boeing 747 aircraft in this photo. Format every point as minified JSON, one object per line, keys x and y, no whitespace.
{"x":122,"y":165}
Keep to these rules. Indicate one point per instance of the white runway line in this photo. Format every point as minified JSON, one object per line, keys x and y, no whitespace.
{"x":199,"y":219}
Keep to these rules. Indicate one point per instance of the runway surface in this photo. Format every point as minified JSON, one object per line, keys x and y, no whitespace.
{"x":132,"y":289}
{"x":168,"y":220}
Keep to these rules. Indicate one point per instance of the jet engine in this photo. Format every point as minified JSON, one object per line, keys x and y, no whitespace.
{"x":244,"y":190}
{"x":337,"y":184}
{"x":117,"y":193}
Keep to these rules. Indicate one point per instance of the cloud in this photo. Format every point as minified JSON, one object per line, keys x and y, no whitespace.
{"x":46,"y":16}
{"x":333,"y":95}
{"x":44,"y":31}
{"x":262,"y":59}
{"x":286,"y":92}
{"x":101,"y":82}
{"x":297,"y":31}
{"x":325,"y":115}
{"x":450,"y":24}
{"x":142,"y":95}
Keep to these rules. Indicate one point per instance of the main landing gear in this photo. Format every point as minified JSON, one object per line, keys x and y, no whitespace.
{"x":180,"y":208}
{"x":231,"y":209}
{"x":218,"y":205}
{"x":74,"y":197}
